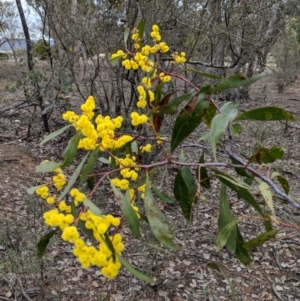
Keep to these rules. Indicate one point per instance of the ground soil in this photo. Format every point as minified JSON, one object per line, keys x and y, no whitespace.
{"x":182,"y":275}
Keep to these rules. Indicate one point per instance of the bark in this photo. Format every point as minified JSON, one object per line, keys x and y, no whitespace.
{"x":31,"y":65}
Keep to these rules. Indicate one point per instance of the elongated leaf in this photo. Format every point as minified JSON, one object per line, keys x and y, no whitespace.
{"x":104,"y":160}
{"x":204,"y":178}
{"x":212,"y":76}
{"x":164,"y":197}
{"x":157,"y":220}
{"x":141,"y":28}
{"x":241,"y":252}
{"x":226,"y":217}
{"x":210,"y":114}
{"x":266,"y":155}
{"x":126,"y":34}
{"x":109,"y":244}
{"x":93,"y":207}
{"x":243,"y":191}
{"x":240,"y":188}
{"x":214,"y":266}
{"x":43,"y":243}
{"x":260,"y":239}
{"x":186,"y":122}
{"x":71,"y":150}
{"x":284,"y":183}
{"x":133,"y":271}
{"x":230,"y":109}
{"x":88,"y":232}
{"x":225,"y":233}
{"x":73,"y":178}
{"x":172,"y":106}
{"x":158,"y":117}
{"x":218,"y":127}
{"x":266,"y":114}
{"x":47,"y":166}
{"x":267,"y":195}
{"x":185,"y":190}
{"x":89,"y":165}
{"x":73,"y":209}
{"x":237,"y":80}
{"x":130,"y":215}
{"x":55,"y":134}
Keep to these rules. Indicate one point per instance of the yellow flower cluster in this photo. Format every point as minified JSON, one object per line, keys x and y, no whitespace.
{"x":164,"y":78}
{"x":147,"y":148}
{"x":42,"y":191}
{"x":59,"y":179}
{"x":155,"y":34}
{"x":179,"y":58}
{"x":90,"y":255}
{"x":54,"y":218}
{"x":102,"y":134}
{"x":137,"y":119}
{"x":87,"y":255}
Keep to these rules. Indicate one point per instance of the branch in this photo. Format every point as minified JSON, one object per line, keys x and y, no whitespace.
{"x":267,"y":180}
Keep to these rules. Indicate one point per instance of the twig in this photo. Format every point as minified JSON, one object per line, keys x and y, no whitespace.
{"x":276,"y":293}
{"x":23,"y":292}
{"x":3,"y":298}
{"x":277,"y":258}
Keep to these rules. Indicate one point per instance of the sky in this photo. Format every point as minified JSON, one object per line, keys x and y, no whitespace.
{"x":32,"y":18}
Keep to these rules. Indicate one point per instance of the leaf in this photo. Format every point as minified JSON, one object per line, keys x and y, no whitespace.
{"x":214,"y":266}
{"x":47,"y":166}
{"x":71,"y":150}
{"x":225,"y":233}
{"x":266,"y":114}
{"x":230,"y":109}
{"x":185,"y":191}
{"x":130,"y":215}
{"x":204,"y":178}
{"x":243,"y":191}
{"x":186,"y":122}
{"x":218,"y":127}
{"x":172,"y":106}
{"x":267,"y":195}
{"x":134,"y":147}
{"x":265,"y":155}
{"x":210,"y":114}
{"x":236,"y":129}
{"x":104,"y":160}
{"x":157,"y":220}
{"x":133,"y":271}
{"x":73,"y":209}
{"x":89,"y":165}
{"x":241,"y":253}
{"x":43,"y":243}
{"x":158,"y":117}
{"x":284,"y":183}
{"x":141,"y":28}
{"x":93,"y":208}
{"x":213,"y":76}
{"x":55,"y":134}
{"x":260,"y":239}
{"x":240,"y":188}
{"x":162,"y":196}
{"x":73,"y":178}
{"x":237,"y":80}
{"x":109,"y":244}
{"x":226,"y":217}
{"x":126,"y":34}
